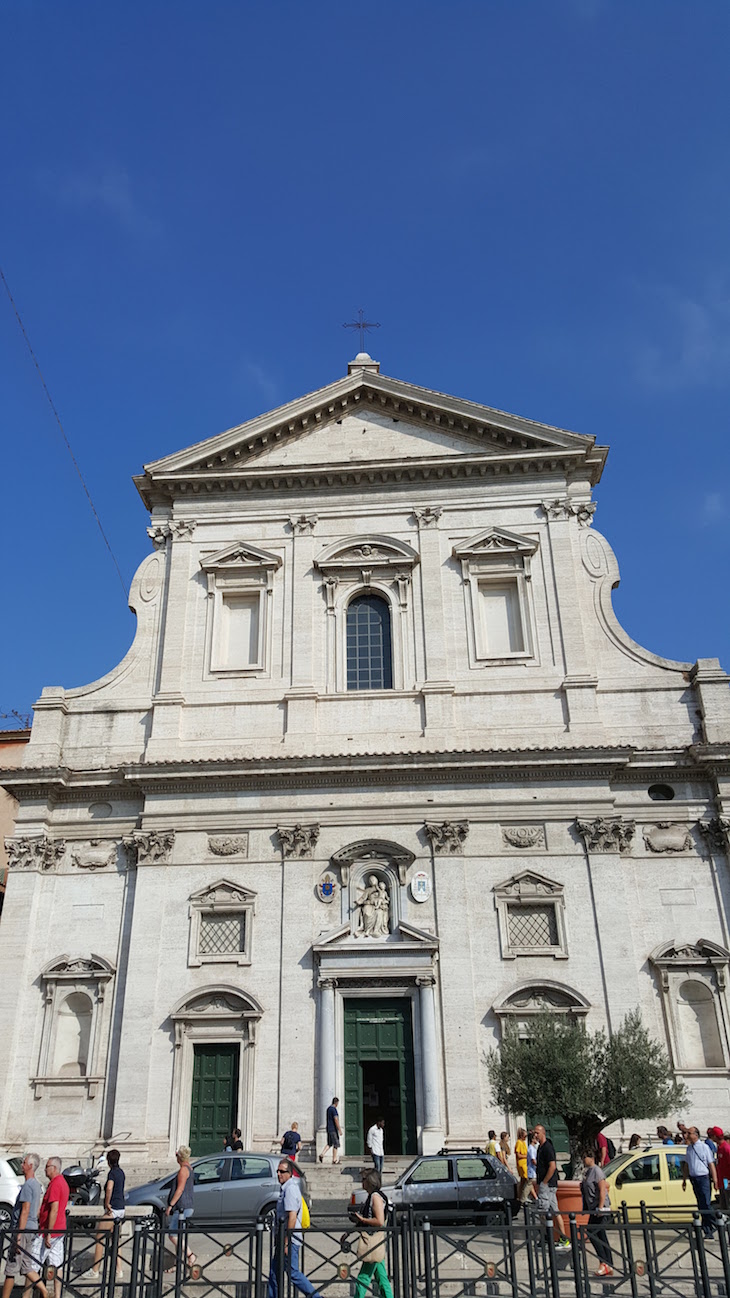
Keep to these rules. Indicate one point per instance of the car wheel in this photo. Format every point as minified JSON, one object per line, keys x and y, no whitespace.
{"x":6,"y":1216}
{"x":268,"y":1217}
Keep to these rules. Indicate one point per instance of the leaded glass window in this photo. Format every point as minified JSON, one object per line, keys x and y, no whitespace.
{"x":369,"y":656}
{"x":222,"y":934}
{"x":532,"y":926}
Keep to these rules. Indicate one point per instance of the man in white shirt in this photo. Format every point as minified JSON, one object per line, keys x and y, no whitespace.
{"x":699,"y":1165}
{"x":375,"y":1141}
{"x":288,"y":1210}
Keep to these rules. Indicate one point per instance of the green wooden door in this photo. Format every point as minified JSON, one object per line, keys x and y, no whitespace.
{"x":379,"y":1074}
{"x":556,"y":1131}
{"x":213,"y":1113}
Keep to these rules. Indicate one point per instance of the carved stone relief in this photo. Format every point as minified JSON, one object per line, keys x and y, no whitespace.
{"x":448,"y":837}
{"x":667,"y":836}
{"x":327,"y":888}
{"x":524,"y":836}
{"x":39,"y":853}
{"x":716,"y":833}
{"x":569,"y":509}
{"x":152,"y":847}
{"x":304,"y":525}
{"x":228,"y":844}
{"x":297,"y":840}
{"x":606,"y":834}
{"x":427,"y":517}
{"x":372,"y":909}
{"x":97,"y":854}
{"x":179,"y":528}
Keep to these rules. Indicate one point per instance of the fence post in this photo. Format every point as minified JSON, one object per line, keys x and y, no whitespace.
{"x":722,"y":1237}
{"x":697,"y":1224}
{"x":394,"y":1255}
{"x":631,"y":1264}
{"x":552,"y":1260}
{"x":258,"y":1283}
{"x":576,"y":1255}
{"x":427,"y":1257}
{"x":280,"y":1255}
{"x":649,"y":1249}
{"x":134,"y":1265}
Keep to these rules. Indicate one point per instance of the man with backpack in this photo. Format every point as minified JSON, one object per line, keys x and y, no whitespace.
{"x":606,"y":1149}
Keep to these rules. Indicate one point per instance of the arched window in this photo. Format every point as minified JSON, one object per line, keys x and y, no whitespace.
{"x":698,"y":1028}
{"x":369,"y":655}
{"x":73,"y":1035}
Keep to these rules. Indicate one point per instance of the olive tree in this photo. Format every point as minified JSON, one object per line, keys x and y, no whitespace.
{"x":589,"y":1078}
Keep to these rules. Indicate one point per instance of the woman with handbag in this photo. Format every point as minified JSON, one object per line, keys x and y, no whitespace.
{"x":372,"y":1241}
{"x":180,"y":1201}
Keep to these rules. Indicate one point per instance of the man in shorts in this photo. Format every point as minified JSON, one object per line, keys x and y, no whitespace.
{"x":52,"y":1226}
{"x":24,"y":1252}
{"x":547,"y":1181}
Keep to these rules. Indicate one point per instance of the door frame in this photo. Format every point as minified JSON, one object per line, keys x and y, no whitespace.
{"x":235,"y":1054}
{"x":213,"y":1016}
{"x":368,"y":993}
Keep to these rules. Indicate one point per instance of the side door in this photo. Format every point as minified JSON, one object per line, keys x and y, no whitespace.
{"x":431,"y":1185}
{"x":641,"y":1179}
{"x":681,"y":1204}
{"x":209,"y":1175}
{"x":476,"y":1183}
{"x":251,"y":1186}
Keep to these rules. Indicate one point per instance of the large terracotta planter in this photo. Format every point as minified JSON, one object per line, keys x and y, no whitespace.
{"x":570,"y":1200}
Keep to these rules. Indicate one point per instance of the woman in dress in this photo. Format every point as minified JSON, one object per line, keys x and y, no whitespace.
{"x":180,"y":1202}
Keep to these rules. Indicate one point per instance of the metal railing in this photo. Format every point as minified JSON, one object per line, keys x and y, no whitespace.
{"x":425,"y":1256}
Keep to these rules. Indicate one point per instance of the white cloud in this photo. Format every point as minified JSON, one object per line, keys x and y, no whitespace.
{"x":714,"y":508}
{"x":108,"y":190}
{"x":691,"y":347}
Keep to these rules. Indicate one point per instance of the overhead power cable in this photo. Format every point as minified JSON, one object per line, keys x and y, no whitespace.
{"x":62,"y":431}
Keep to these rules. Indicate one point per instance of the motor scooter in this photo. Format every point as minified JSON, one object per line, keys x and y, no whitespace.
{"x":84,"y":1188}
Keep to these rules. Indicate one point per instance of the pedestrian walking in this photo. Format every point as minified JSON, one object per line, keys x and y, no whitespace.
{"x":523,"y":1188}
{"x":113,"y":1211}
{"x":492,"y":1144}
{"x":290,"y":1142}
{"x":180,"y":1204}
{"x":594,"y":1192}
{"x":699,"y":1166}
{"x":334,"y":1131}
{"x":288,"y":1210}
{"x":532,"y":1148}
{"x":547,"y":1181}
{"x":24,"y":1249}
{"x":723,"y":1171}
{"x":504,"y":1148}
{"x":375,"y":1141}
{"x":371,"y":1246}
{"x":52,"y":1227}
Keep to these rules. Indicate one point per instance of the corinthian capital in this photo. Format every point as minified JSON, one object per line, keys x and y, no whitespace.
{"x":606,"y":834}
{"x":448,"y":837}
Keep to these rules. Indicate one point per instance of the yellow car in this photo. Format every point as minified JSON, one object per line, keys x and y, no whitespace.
{"x":652,"y":1175}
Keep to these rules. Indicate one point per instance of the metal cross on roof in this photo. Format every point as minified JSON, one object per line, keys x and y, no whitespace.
{"x":362,"y":325}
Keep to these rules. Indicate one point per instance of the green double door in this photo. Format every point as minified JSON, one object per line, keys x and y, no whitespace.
{"x":379,"y":1074}
{"x":213,"y":1112}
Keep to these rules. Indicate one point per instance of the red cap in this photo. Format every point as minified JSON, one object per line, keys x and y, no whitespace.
{"x":717,"y":1132}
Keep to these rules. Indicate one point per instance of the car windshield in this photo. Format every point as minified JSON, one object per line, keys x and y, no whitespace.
{"x":619,"y":1161}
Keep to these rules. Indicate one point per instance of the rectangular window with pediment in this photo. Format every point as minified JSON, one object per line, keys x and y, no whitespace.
{"x":496,"y":570}
{"x":221,"y":920}
{"x":241,"y":582}
{"x":531,"y":916}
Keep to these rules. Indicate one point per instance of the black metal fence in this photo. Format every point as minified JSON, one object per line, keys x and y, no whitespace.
{"x":422,"y":1257}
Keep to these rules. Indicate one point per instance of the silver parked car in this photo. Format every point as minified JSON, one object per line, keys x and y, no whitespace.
{"x":230,"y":1188}
{"x":467,"y":1182}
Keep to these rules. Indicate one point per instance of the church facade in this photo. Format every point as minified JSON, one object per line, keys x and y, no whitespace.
{"x":380,"y":773}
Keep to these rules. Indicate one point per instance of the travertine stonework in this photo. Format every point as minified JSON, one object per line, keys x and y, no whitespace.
{"x":189,"y":783}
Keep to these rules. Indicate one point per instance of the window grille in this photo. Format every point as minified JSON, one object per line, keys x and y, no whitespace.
{"x":369,"y":659}
{"x":532,"y":926}
{"x":222,"y":934}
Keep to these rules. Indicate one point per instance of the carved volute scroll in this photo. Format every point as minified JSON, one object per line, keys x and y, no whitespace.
{"x":606,"y":833}
{"x":150,"y":847}
{"x":297,"y":840}
{"x":447,"y":837}
{"x":37,"y":853}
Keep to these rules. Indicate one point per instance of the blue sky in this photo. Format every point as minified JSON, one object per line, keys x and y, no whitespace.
{"x":532,"y":196}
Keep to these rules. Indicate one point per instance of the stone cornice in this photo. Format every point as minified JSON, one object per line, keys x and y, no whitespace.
{"x":624,"y":764}
{"x":228,"y":460}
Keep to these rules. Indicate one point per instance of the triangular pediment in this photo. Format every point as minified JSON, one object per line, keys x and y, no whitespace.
{"x":240,"y":555}
{"x":528,"y":883}
{"x":367,"y":423}
{"x":223,"y":893}
{"x":495,"y":540}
